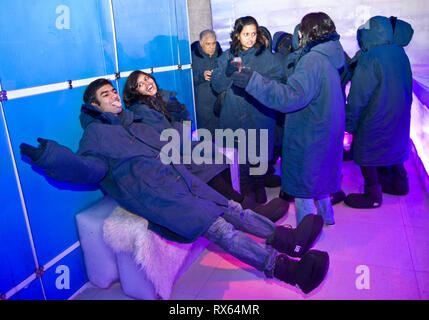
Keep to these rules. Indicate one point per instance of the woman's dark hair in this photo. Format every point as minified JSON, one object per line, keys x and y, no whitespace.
{"x":131,"y":96}
{"x":89,"y":96}
{"x":315,"y":25}
{"x":238,"y":27}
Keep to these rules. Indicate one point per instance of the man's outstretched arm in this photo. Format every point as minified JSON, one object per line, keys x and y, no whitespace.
{"x":62,"y":164}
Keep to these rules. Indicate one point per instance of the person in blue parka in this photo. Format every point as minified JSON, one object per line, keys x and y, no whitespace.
{"x":240,"y":110}
{"x":205,"y":53}
{"x":124,"y":156}
{"x":315,"y":120}
{"x":142,"y":96}
{"x":378,"y":109}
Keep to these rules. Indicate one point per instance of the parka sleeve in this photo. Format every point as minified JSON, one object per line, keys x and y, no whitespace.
{"x":300,"y":89}
{"x":219,"y":81}
{"x":363,"y":84}
{"x":83,"y":167}
{"x":198,"y":75}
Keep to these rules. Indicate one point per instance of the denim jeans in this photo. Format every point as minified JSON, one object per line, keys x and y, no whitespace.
{"x":321,"y":206}
{"x":228,"y":232}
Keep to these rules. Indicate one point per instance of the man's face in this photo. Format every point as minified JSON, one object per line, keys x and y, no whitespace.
{"x":208,"y":44}
{"x":146,"y":85}
{"x":108,"y":99}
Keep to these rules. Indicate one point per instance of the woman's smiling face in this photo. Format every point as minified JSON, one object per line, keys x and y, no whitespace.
{"x":146,"y":85}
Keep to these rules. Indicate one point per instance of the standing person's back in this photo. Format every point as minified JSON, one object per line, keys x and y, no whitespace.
{"x":378,"y":108}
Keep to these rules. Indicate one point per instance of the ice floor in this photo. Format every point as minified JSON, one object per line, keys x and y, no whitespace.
{"x":374,"y":254}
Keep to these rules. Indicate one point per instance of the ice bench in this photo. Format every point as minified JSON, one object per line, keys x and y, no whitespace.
{"x":104,"y":266}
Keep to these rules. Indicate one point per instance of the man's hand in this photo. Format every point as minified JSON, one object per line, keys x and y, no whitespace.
{"x":241,"y":79}
{"x":208,"y":75}
{"x":31,"y":152}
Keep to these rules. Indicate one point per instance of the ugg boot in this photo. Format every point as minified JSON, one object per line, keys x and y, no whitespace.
{"x":372,"y":198}
{"x":296,"y":242}
{"x":274,"y":210}
{"x":286,"y":197}
{"x":271,"y":180}
{"x":398,"y":187}
{"x":337,"y":197}
{"x":306,"y":274}
{"x":259,"y":188}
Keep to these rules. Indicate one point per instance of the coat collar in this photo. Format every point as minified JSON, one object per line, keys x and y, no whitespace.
{"x":90,"y":114}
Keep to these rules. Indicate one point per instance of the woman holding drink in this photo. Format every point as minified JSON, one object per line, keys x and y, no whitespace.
{"x":239,"y":109}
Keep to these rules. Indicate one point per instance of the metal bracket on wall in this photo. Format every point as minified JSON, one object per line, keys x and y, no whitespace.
{"x":39,"y":272}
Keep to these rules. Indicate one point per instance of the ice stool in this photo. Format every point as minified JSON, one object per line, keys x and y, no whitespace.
{"x":104,"y":266}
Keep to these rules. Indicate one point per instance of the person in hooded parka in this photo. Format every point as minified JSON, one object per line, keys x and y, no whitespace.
{"x":315,"y":119}
{"x":123,"y":155}
{"x":239,"y":109}
{"x":271,"y":180}
{"x":378,"y":110}
{"x":156,"y":107}
{"x":205,"y":53}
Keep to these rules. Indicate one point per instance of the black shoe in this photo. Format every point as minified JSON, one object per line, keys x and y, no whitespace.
{"x":296,"y":242}
{"x":398,"y":187}
{"x":347,"y":155}
{"x":249,"y":203}
{"x":371,"y":198}
{"x":306,"y":274}
{"x":273,"y":210}
{"x":272,"y":181}
{"x":260,"y":192}
{"x":337,"y":197}
{"x":286,"y":197}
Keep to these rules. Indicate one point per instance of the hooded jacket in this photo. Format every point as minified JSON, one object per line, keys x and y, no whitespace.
{"x":124,"y":156}
{"x":379,"y":103}
{"x":158,"y":122}
{"x":241,"y":110}
{"x":205,"y":97}
{"x":314,"y":124}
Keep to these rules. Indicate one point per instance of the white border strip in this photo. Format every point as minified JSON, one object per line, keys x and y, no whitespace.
{"x":21,"y":286}
{"x":21,"y":93}
{"x":61,"y":255}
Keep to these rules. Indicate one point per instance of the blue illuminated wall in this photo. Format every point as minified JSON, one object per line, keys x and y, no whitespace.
{"x":44,"y":45}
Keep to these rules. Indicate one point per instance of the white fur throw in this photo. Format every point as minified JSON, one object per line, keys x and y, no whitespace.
{"x":160,"y":259}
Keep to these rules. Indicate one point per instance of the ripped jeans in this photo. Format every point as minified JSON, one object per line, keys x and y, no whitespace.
{"x":228,"y":232}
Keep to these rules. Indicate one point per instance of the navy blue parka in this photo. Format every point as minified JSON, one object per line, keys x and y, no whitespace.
{"x":205,"y":97}
{"x":379,"y":103}
{"x":123,"y":155}
{"x":315,"y":120}
{"x":241,"y":110}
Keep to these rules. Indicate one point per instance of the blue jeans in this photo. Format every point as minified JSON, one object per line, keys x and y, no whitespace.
{"x":228,"y":232}
{"x":321,"y":206}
